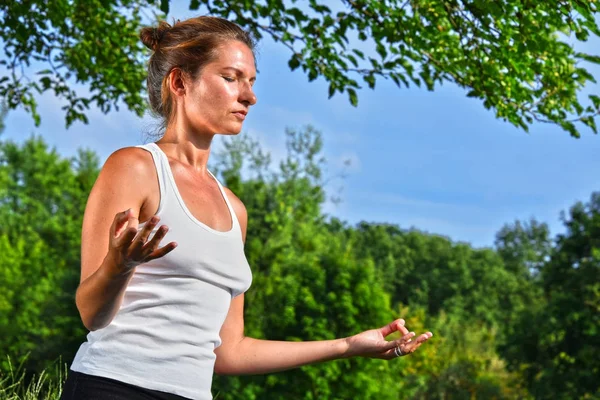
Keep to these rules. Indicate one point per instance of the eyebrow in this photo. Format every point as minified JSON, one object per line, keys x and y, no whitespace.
{"x":239,"y":72}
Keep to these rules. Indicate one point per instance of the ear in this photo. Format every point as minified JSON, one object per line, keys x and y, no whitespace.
{"x":177,"y":82}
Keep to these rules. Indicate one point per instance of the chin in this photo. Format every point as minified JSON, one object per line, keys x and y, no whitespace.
{"x":230,"y":130}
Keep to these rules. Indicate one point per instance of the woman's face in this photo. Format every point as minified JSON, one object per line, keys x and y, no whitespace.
{"x":220,"y":97}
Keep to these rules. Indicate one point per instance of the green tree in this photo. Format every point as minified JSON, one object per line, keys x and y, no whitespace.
{"x":431,"y":271}
{"x":558,"y":345}
{"x":461,"y":364}
{"x":524,"y":246}
{"x":512,"y":55}
{"x":42,"y":198}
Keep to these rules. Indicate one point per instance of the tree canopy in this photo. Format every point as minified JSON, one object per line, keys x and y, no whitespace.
{"x":513,"y":55}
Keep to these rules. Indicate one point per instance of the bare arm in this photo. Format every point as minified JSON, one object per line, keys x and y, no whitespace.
{"x":111,"y":246}
{"x":239,"y":355}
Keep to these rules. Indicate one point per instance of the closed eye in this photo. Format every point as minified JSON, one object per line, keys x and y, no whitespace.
{"x":229,"y":79}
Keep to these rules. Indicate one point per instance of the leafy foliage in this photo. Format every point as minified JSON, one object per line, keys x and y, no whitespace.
{"x":91,"y":42}
{"x":524,"y":247}
{"x":559,"y":344}
{"x":507,"y":53}
{"x":512,"y":55}
{"x":42,"y":198}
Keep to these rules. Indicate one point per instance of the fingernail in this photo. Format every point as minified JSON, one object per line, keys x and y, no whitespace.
{"x":401,"y":322}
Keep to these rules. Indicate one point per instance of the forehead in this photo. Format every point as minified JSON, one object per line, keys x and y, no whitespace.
{"x":235,"y":54}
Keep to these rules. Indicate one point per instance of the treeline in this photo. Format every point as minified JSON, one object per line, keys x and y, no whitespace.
{"x":520,"y":320}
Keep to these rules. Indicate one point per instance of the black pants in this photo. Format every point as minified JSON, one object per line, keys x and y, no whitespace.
{"x":88,"y":387}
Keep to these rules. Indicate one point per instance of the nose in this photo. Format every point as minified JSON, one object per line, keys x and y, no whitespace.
{"x":247,"y":96}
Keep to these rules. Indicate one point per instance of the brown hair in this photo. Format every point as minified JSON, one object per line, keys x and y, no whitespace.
{"x":188,"y":45}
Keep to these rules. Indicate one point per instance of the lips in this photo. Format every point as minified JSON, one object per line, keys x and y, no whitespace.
{"x":241,"y":114}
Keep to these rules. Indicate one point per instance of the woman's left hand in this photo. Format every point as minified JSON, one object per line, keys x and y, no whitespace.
{"x":372,"y":343}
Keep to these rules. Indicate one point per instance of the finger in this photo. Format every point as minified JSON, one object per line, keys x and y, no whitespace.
{"x":119,"y":222}
{"x":124,"y":241}
{"x":158,"y":236}
{"x":130,"y":232}
{"x":158,"y":253}
{"x":411,"y":347}
{"x":403,"y":330}
{"x":424,"y":337}
{"x":132,"y":225}
{"x":145,"y":232}
{"x":390,"y":351}
{"x":399,"y":342}
{"x":415,"y":344}
{"x":393,"y":327}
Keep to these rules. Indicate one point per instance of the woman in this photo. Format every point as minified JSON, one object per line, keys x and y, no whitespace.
{"x":162,"y":318}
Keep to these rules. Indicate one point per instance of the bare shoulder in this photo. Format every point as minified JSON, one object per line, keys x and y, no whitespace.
{"x":130,"y":161}
{"x":125,"y":181}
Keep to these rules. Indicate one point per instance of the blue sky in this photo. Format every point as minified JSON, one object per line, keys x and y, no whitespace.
{"x":436,"y":161}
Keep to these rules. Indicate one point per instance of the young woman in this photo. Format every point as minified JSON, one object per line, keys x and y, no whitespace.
{"x":163,"y":317}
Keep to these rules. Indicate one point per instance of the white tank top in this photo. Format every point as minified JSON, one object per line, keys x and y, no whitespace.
{"x":167,"y":328}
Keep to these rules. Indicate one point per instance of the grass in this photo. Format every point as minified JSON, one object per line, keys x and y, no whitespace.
{"x":15,"y":385}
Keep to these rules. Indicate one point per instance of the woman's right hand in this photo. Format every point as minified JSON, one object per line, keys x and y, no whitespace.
{"x":129,"y":248}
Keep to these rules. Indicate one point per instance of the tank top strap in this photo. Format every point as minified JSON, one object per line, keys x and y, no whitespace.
{"x":234,"y":219}
{"x":161,"y":172}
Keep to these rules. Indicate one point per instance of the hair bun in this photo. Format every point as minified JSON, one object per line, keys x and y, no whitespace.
{"x":151,"y":36}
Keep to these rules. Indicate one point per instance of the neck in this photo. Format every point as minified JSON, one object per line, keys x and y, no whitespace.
{"x":187,"y":146}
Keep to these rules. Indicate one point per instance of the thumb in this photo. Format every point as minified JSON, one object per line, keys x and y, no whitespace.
{"x":119,"y":222}
{"x":128,"y":232}
{"x":392,"y":327}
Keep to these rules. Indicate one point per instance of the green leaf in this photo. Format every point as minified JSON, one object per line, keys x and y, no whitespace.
{"x":590,"y":122}
{"x":381,"y":50}
{"x":359,"y":53}
{"x":352,"y":59}
{"x":596,"y":101}
{"x":352,"y":96}
{"x":370,"y":79}
{"x":294,"y":62}
{"x":164,"y":6}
